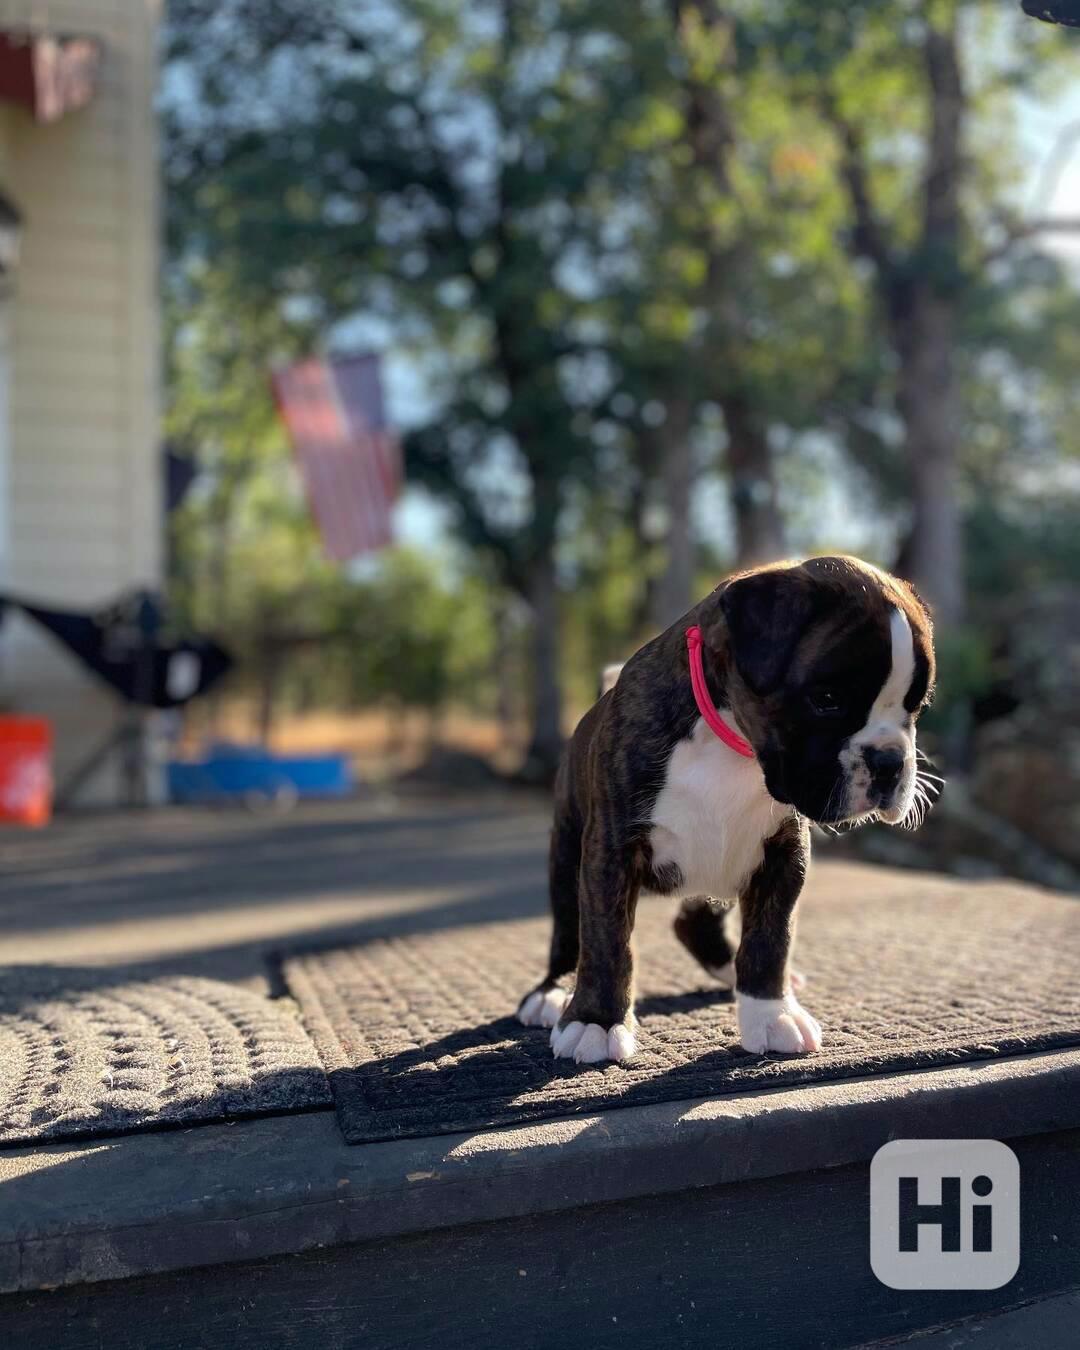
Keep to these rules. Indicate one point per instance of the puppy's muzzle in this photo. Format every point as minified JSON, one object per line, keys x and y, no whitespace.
{"x":880,"y":778}
{"x":886,"y":768}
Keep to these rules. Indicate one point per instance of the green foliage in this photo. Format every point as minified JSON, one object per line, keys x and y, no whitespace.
{"x":245,"y":557}
{"x":408,"y":636}
{"x":964,"y":674}
{"x":242,"y":544}
{"x":1021,"y":546}
{"x":603,"y":619}
{"x":525,"y":199}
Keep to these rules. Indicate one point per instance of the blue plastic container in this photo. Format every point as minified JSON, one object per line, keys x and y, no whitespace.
{"x":246,"y":774}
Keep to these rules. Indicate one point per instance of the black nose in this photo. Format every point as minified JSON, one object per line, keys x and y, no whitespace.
{"x":885,"y":767}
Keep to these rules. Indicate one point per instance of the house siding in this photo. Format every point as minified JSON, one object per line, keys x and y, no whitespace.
{"x":83,"y":479}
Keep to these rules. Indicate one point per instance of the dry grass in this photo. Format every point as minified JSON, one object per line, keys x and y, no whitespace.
{"x":381,"y":746}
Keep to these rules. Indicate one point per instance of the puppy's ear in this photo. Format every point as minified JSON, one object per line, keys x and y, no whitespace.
{"x":765,"y":614}
{"x":926,"y":613}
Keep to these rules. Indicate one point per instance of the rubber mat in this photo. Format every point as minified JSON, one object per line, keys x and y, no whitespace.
{"x":417,"y":1033}
{"x":84,"y":1054}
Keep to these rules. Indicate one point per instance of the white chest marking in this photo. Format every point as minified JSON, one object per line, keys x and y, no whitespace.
{"x":712,"y":816}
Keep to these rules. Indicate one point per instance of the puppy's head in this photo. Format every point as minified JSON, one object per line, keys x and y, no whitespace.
{"x":829,"y":663}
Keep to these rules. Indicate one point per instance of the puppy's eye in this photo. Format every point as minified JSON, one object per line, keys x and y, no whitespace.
{"x":824,"y":702}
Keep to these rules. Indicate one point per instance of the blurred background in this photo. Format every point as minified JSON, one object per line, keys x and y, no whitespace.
{"x":371,"y":374}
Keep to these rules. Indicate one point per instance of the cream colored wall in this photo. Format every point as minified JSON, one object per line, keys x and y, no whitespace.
{"x":84,"y":510}
{"x":5,"y":393}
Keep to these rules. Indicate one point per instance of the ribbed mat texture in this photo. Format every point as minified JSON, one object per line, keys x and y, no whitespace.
{"x":417,"y":1035}
{"x":85,"y":1054}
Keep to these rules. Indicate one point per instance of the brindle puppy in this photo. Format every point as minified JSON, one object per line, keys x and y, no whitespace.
{"x":823,"y":667}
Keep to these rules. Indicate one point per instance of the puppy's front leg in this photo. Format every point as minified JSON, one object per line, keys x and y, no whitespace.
{"x":598,"y":1022}
{"x":770,"y":1016}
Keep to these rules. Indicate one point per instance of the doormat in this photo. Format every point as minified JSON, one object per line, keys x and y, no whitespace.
{"x":418,"y":1036}
{"x":88,"y":1053}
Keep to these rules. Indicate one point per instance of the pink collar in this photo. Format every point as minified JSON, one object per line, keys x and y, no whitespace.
{"x":705,"y":704}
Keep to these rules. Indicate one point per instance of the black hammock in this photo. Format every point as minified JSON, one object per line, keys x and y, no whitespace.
{"x":125,"y":646}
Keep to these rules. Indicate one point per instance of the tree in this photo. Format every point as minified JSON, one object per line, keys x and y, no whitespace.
{"x":242,"y":541}
{"x":431,"y":163}
{"x":628,"y":245}
{"x":732,"y":330}
{"x":887,"y":75}
{"x":707,"y":41}
{"x":919,"y":289}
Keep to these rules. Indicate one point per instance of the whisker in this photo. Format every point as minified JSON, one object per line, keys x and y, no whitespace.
{"x":914,"y":817}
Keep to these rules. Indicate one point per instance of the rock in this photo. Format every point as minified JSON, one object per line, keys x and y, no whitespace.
{"x":1027,"y":770}
{"x":1027,"y":764}
{"x":447,"y":767}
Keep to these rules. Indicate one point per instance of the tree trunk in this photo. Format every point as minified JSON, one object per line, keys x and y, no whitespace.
{"x":759,"y":528}
{"x":924,"y":312}
{"x":545,"y":745}
{"x":927,"y":400}
{"x":921,"y":290}
{"x":506,"y":677}
{"x":672,"y":592}
{"x":710,"y":135}
{"x":270,"y":656}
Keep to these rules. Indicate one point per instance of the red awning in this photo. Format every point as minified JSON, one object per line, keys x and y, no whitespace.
{"x":50,"y":76}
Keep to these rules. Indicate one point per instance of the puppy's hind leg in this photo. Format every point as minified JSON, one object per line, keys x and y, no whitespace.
{"x":542,"y":1006}
{"x":700,"y":927}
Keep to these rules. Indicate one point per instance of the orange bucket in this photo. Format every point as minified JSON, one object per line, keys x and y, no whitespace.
{"x":26,"y":784}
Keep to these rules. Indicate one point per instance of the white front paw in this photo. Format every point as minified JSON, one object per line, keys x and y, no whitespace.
{"x":543,"y":1007}
{"x":591,"y":1044}
{"x":779,"y":1024}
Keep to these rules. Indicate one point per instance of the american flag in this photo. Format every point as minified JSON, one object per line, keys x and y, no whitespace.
{"x":350,"y":460}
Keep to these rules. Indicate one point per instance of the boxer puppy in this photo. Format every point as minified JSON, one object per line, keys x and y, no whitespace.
{"x":788,"y":695}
